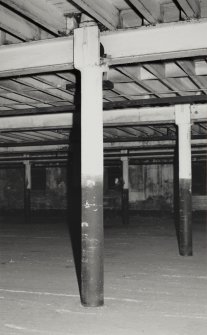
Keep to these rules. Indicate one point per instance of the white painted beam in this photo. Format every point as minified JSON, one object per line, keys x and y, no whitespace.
{"x":44,"y":121}
{"x":34,"y":148}
{"x":150,"y":144}
{"x":35,"y":57}
{"x":196,"y":143}
{"x":116,"y":117}
{"x":179,"y":40}
{"x":139,"y":116}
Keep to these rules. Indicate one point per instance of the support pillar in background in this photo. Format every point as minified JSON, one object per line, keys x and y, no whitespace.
{"x":87,"y":61}
{"x":125,"y":189}
{"x":183,"y":121}
{"x":27,"y":191}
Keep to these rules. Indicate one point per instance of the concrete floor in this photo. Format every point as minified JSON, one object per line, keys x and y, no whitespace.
{"x":149,"y":288}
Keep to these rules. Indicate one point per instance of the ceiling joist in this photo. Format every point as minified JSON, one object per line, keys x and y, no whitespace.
{"x":118,"y":117}
{"x":191,"y":8}
{"x":149,"y":9}
{"x":21,"y":29}
{"x":39,"y":12}
{"x":103,"y":11}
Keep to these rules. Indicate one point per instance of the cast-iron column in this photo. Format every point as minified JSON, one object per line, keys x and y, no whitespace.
{"x":125,"y":189}
{"x":27,"y":191}
{"x":183,"y":121}
{"x":87,"y":60}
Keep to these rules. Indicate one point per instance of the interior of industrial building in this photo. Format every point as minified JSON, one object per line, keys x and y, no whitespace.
{"x":103,"y":150}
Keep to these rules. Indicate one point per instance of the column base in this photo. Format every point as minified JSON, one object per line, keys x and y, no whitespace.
{"x":125,"y":206}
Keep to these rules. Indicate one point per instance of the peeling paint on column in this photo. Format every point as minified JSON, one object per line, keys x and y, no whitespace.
{"x":185,"y":224}
{"x":92,"y":243}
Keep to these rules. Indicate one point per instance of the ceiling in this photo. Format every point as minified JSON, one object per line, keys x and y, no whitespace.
{"x":144,"y":83}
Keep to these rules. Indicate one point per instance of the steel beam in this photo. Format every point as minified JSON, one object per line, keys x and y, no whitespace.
{"x":33,"y":148}
{"x":149,"y":144}
{"x":136,"y":145}
{"x":179,"y":40}
{"x":42,"y":121}
{"x":36,"y":57}
{"x":117,"y":117}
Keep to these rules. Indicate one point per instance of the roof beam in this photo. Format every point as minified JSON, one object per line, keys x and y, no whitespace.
{"x":117,"y":117}
{"x":191,"y":99}
{"x":30,"y":57}
{"x":120,"y":46}
{"x":178,"y":41}
{"x":146,"y":144}
{"x":40,"y":12}
{"x":33,"y":148}
{"x":191,"y":8}
{"x":102,"y":11}
{"x":149,"y":9}
{"x":107,"y":145}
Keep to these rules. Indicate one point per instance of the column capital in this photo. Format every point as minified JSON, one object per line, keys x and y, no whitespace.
{"x":182,"y":114}
{"x":26,"y":162}
{"x":124,"y":158}
{"x":86,"y":47}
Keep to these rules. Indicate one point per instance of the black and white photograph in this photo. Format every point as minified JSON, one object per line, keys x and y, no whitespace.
{"x":103,"y":167}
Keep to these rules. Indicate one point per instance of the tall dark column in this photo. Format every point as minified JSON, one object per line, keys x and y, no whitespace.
{"x":182,"y":119}
{"x":87,"y":60}
{"x":27,"y":191}
{"x":125,"y":190}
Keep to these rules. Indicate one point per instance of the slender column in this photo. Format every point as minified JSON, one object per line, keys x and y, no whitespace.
{"x":183,"y":121}
{"x":125,"y":189}
{"x":27,"y":191}
{"x":87,"y":60}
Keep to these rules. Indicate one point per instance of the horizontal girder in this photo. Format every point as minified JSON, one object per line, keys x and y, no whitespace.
{"x":177,"y":40}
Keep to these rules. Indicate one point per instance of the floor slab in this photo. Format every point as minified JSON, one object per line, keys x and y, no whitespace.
{"x":149,"y":288}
